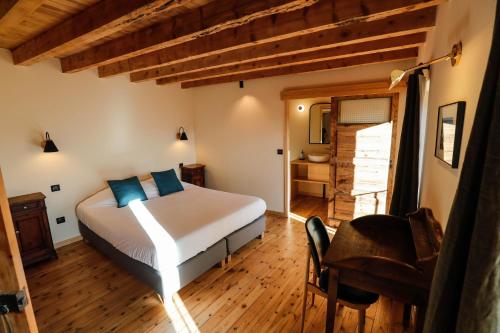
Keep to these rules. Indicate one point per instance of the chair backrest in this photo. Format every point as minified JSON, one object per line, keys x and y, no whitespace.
{"x":318,"y":239}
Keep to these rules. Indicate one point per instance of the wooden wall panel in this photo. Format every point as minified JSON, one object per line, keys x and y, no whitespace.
{"x":362,"y":165}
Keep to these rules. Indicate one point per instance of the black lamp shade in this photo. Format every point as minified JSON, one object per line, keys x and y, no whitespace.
{"x":182,"y":134}
{"x":50,"y":146}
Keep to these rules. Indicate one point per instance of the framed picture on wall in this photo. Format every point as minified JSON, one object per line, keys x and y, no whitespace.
{"x":449,"y":132}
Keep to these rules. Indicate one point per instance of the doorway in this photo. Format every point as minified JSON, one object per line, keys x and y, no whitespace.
{"x":363,"y":126}
{"x":362,"y":150}
{"x":309,"y":157}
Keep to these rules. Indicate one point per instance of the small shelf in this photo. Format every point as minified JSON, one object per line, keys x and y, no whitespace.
{"x":309,"y":178}
{"x":305,"y":180}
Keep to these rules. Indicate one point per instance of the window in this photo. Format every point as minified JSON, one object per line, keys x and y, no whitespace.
{"x":365,"y":111}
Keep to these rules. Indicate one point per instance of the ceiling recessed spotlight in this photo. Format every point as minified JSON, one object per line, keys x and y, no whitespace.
{"x":301,"y":108}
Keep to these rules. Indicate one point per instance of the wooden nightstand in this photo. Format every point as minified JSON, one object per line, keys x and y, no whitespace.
{"x":194,"y":174}
{"x":29,"y":215}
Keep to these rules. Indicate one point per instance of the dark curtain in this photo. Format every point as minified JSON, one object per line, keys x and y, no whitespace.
{"x":405,"y":193}
{"x":465,"y":294}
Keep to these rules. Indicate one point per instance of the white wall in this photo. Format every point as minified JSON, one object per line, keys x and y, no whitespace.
{"x":298,"y":129}
{"x":298,"y":124}
{"x":471,"y":22}
{"x":104,"y":128}
{"x":239,"y":130}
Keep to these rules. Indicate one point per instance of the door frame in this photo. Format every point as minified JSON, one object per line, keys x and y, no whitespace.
{"x":13,"y":277}
{"x":394,"y":96}
{"x":329,"y":90}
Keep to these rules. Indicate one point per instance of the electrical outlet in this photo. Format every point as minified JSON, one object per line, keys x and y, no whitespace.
{"x":181,"y":165}
{"x":60,"y":220}
{"x":55,"y":188}
{"x":280,"y":151}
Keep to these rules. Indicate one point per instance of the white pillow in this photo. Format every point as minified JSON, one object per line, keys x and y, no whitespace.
{"x":150,"y":188}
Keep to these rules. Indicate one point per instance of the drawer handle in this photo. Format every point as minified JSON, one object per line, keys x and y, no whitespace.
{"x":25,"y":207}
{"x":17,"y":232}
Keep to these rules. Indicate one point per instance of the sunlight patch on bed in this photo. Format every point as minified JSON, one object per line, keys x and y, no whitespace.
{"x":165,"y":247}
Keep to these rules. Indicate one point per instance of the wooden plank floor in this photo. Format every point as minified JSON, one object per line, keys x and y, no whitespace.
{"x":259,"y":291}
{"x":305,"y":206}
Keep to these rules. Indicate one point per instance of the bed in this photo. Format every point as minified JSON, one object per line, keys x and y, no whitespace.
{"x":169,"y":241}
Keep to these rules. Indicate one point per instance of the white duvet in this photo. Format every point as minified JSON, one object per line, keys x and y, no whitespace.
{"x":177,"y":226}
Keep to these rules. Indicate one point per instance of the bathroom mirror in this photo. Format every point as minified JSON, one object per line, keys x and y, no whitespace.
{"x":449,"y":132}
{"x":319,"y":123}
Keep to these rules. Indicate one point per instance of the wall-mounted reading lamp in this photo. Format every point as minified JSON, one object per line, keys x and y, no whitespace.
{"x":454,"y":56}
{"x":50,"y":146}
{"x":181,"y":135}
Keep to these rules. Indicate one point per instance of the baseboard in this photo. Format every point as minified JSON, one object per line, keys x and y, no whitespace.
{"x":280,"y":214}
{"x":67,"y":241}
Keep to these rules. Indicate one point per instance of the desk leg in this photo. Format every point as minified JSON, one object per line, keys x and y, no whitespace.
{"x":406,"y":316}
{"x":332,"y":300}
{"x":420,"y":318}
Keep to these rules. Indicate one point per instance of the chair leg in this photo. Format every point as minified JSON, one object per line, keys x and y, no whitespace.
{"x":306,"y":280}
{"x":361,"y":321}
{"x":304,"y":305}
{"x":315,"y":281}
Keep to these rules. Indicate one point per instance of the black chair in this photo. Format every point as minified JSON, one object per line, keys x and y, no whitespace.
{"x":318,"y":243}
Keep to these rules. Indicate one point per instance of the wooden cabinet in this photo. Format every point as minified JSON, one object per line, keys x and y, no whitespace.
{"x":31,"y":224}
{"x":309,"y":178}
{"x":194,"y":174}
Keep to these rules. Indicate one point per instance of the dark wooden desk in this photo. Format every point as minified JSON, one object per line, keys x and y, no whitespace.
{"x":384,"y":254}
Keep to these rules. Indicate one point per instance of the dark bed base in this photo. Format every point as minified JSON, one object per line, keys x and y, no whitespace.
{"x":188,"y":270}
{"x":244,"y":235}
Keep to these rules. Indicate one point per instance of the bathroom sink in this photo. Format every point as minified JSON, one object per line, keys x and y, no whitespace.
{"x":318,"y":158}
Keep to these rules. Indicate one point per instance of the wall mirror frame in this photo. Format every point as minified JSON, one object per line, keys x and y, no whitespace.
{"x":319,"y":123}
{"x":450,"y":125}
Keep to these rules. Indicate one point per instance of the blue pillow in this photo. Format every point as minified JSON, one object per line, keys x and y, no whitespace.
{"x":167,"y":182}
{"x":127,"y":190}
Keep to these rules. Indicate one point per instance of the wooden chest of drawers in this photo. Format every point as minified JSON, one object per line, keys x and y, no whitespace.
{"x":31,"y":224}
{"x":194,"y":174}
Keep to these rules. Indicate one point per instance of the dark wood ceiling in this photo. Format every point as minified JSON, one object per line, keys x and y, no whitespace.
{"x":201,"y":42}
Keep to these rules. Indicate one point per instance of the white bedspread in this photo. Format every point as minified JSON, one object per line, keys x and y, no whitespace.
{"x":177,"y":226}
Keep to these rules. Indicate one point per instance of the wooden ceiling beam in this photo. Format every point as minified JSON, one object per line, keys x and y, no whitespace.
{"x":397,"y":25}
{"x":13,"y":11}
{"x":207,"y":19}
{"x":336,"y":52}
{"x":95,"y":22}
{"x":311,"y":67}
{"x":267,"y":29}
{"x":390,"y":44}
{"x":343,"y":89}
